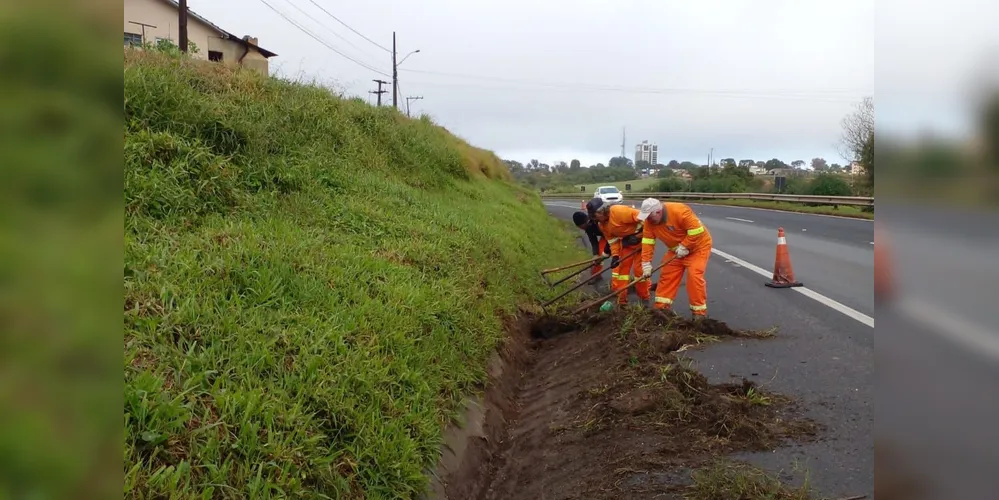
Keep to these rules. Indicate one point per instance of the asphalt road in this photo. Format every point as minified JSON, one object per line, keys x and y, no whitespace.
{"x":937,"y":348}
{"x":824,"y":355}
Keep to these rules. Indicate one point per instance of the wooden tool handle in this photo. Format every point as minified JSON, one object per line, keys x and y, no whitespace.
{"x":617,"y":292}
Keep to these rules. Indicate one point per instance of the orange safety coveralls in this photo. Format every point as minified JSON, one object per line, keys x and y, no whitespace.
{"x":623,"y":221}
{"x":679,"y":226}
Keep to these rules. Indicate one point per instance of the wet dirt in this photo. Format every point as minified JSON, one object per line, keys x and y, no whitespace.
{"x":604,"y":406}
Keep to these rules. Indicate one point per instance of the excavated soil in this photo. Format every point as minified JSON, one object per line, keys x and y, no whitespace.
{"x":604,"y":407}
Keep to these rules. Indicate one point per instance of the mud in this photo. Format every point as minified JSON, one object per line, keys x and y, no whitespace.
{"x":604,"y":407}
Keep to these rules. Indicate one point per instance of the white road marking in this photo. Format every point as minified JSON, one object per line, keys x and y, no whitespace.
{"x":872,"y":242}
{"x":807,"y":292}
{"x":738,"y":219}
{"x":972,"y":336}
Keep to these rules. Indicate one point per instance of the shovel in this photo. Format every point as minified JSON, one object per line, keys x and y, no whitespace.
{"x":546,"y":272}
{"x":618,"y":292}
{"x":544,"y":306}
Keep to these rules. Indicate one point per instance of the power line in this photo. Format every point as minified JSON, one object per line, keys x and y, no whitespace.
{"x":528,"y":87}
{"x":358,"y":33}
{"x":827,"y":94}
{"x":306,"y":14}
{"x":316,"y":38}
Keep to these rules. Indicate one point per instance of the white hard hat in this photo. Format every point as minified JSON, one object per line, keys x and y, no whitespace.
{"x":649,"y":205}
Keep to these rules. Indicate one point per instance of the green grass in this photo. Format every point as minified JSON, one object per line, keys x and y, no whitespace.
{"x":842,"y":210}
{"x":311,"y":285}
{"x":724,"y":480}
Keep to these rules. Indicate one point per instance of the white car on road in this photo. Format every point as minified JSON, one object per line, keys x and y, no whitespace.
{"x":609,"y":194}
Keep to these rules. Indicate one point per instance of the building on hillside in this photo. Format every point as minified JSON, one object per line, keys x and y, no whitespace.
{"x":647,"y":152}
{"x":757,"y":170}
{"x":856,"y":168}
{"x":150,"y":21}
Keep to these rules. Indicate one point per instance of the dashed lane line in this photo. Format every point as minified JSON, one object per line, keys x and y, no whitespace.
{"x":738,"y":219}
{"x":807,"y":292}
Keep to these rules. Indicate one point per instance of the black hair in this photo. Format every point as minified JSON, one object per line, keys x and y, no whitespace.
{"x":580,"y":218}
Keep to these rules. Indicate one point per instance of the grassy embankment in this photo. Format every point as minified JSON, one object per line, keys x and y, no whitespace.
{"x":311,"y":285}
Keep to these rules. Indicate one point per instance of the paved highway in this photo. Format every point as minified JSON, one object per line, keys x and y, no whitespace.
{"x":937,"y":348}
{"x":824,"y":356}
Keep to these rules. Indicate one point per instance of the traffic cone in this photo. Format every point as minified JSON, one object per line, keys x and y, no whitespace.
{"x":783,"y":273}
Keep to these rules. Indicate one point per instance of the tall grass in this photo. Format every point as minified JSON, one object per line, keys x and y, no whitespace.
{"x":311,"y":284}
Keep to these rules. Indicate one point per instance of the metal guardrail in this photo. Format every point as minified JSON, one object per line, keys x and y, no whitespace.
{"x":858,"y":201}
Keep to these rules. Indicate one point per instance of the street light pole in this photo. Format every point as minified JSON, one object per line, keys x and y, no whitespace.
{"x":395,"y":72}
{"x":395,"y":76}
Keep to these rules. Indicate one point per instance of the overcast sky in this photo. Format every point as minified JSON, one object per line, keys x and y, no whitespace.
{"x":558,"y":79}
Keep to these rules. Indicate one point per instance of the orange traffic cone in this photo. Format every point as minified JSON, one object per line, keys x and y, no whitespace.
{"x":783,"y":273}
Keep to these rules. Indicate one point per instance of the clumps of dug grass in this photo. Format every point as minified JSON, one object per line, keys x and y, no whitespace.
{"x":311,"y":285}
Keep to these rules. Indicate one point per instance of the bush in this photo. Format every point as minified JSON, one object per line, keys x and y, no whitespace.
{"x":829,"y":185}
{"x":668,"y":185}
{"x":311,"y":284}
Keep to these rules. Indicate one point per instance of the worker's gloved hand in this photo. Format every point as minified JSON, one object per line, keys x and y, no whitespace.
{"x":615,"y":261}
{"x":631,"y":240}
{"x":646,"y":269}
{"x":681,"y":251}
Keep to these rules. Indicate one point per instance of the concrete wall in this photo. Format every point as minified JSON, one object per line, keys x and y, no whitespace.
{"x":163,"y":15}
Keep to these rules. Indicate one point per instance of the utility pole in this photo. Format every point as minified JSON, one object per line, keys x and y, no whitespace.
{"x":182,"y":26}
{"x":379,"y":92}
{"x":144,"y":26}
{"x":411,"y":98}
{"x":623,"y":140}
{"x":395,"y":76}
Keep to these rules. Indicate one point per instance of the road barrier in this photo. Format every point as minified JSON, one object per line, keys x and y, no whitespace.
{"x":857,"y":201}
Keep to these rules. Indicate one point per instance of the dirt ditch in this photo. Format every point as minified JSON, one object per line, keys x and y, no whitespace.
{"x":604,"y":407}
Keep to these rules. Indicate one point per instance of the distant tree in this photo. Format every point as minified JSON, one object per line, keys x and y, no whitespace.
{"x":642,"y":164}
{"x":857,"y":142}
{"x":835,"y":167}
{"x":544,"y":167}
{"x":819,"y":164}
{"x":574,"y":164}
{"x":665,"y":173}
{"x":673,"y":164}
{"x":534,"y":165}
{"x":620,"y":161}
{"x":774,"y":163}
{"x":728,"y":162}
{"x":560,"y":167}
{"x":761,"y":163}
{"x":688,"y":165}
{"x":513,"y":166}
{"x":746,"y":163}
{"x":798,"y":163}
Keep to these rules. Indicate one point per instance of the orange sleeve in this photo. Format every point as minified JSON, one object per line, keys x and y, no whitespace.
{"x":692,"y":225}
{"x":648,"y":243}
{"x":613,"y":242}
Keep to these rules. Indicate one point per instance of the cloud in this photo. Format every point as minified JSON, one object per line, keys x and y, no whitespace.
{"x":559,"y":78}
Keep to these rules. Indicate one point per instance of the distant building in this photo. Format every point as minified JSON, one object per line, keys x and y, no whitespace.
{"x":757,"y":170}
{"x":856,"y":168}
{"x":213,"y":42}
{"x":647,"y":152}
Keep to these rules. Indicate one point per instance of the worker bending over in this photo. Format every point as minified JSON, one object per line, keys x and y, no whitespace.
{"x":598,"y":244}
{"x":621,"y":226}
{"x":676,"y":225}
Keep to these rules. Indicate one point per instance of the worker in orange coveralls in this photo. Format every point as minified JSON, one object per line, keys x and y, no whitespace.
{"x":676,"y":225}
{"x":621,"y":226}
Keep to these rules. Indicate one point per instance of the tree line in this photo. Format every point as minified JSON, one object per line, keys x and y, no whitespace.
{"x":727,"y":175}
